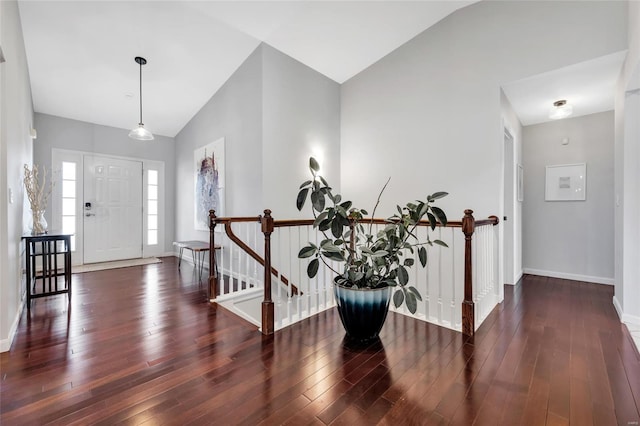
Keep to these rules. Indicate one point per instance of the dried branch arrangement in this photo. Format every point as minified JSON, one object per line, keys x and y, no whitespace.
{"x":37,"y":193}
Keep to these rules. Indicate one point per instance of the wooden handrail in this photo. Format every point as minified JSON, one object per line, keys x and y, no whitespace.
{"x":233,"y":237}
{"x":227,"y":221}
{"x":491,"y":220}
{"x":268,"y":225}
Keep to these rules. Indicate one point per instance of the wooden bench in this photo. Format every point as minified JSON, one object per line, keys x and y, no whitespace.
{"x":198,"y":251}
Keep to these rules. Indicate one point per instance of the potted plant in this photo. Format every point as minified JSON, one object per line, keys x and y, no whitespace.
{"x":374,"y":264}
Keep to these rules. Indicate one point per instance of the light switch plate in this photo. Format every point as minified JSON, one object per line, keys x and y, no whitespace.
{"x":10,"y":196}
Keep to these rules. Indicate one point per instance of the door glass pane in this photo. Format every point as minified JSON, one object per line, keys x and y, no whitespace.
{"x":69,"y":224}
{"x":153,"y":207}
{"x":153,"y":177}
{"x":153,"y":192}
{"x":68,"y":206}
{"x":152,"y":237}
{"x":68,"y":189}
{"x":153,"y":222}
{"x":68,"y":171}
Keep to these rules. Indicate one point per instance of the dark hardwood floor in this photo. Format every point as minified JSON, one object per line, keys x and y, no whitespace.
{"x":141,"y":345}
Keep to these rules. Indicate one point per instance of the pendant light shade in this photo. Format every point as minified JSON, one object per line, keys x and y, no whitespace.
{"x":140,"y":133}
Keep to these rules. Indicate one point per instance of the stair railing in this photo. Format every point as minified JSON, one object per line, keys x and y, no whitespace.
{"x":475,"y":248}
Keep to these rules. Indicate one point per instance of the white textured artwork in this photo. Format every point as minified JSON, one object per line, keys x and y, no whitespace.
{"x":566,"y":182}
{"x":209,"y":182}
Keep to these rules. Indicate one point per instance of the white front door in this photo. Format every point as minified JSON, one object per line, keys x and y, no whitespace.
{"x":112,"y":209}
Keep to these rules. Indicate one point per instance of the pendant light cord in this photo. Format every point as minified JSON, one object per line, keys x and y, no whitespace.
{"x":141,"y":93}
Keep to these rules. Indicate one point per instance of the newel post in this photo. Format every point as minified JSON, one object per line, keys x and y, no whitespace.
{"x":267,"y":303}
{"x":213,"y":265}
{"x":468,"y":315}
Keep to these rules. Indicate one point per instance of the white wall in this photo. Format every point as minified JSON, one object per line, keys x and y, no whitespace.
{"x":64,"y":133}
{"x":627,"y":166}
{"x":512,"y":124}
{"x":428,"y":114}
{"x":16,"y":117}
{"x":570,"y":239}
{"x":233,"y":113}
{"x":301,"y":118}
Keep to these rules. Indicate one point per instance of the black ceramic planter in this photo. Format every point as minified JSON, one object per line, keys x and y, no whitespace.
{"x":362,"y":311}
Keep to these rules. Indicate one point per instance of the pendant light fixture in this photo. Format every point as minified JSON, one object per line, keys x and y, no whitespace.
{"x":561,"y":109}
{"x":140,"y":133}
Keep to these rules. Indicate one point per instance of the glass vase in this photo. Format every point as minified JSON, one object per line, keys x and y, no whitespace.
{"x":39,"y":224}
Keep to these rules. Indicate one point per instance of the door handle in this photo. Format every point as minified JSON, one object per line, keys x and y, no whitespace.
{"x":89,"y":214}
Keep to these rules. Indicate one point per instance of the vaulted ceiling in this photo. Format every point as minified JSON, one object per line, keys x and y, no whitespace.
{"x":81,"y":53}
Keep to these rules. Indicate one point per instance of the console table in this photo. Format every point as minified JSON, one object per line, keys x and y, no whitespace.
{"x":47,"y":248}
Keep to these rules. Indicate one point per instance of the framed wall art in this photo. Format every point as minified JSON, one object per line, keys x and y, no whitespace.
{"x":209,"y":182}
{"x":520,"y":182}
{"x":566,"y":182}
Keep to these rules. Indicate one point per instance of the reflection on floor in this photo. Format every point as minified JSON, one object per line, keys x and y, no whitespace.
{"x":114,"y":265}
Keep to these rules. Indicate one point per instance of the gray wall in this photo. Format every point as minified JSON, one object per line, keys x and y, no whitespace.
{"x":301,"y":118}
{"x":428,"y":114}
{"x":235,"y":113}
{"x":16,"y":117}
{"x":63,"y":133}
{"x":274,"y":112}
{"x":570,"y":237}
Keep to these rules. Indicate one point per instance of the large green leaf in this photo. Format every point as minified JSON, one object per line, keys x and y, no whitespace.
{"x":380,"y":253}
{"x":415,"y":291}
{"x":412,"y":304}
{"x":324,"y":225}
{"x":312,"y":269}
{"x":432,"y":221}
{"x":422,"y":254}
{"x":302,"y":197}
{"x":306,"y":183}
{"x":438,"y":195}
{"x":313,"y":164}
{"x":398,"y":298}
{"x":333,"y":255}
{"x":331,"y":247}
{"x":442,"y":218}
{"x":440,"y":243}
{"x":322,"y":216}
{"x":307,"y":251}
{"x":403,"y":275}
{"x":317,"y":198}
{"x":408,"y":262}
{"x":336,"y":228}
{"x":346,"y":205}
{"x":424,"y":208}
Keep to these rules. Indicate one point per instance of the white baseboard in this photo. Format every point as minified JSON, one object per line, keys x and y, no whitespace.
{"x":519,"y":278}
{"x":5,"y":344}
{"x":567,"y":276}
{"x":630,"y":319}
{"x":618,"y":307}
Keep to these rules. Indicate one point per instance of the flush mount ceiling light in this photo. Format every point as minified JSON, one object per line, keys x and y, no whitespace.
{"x":561,"y":109}
{"x":140,"y":133}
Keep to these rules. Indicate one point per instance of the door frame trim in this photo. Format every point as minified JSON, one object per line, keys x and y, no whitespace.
{"x":58,"y":155}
